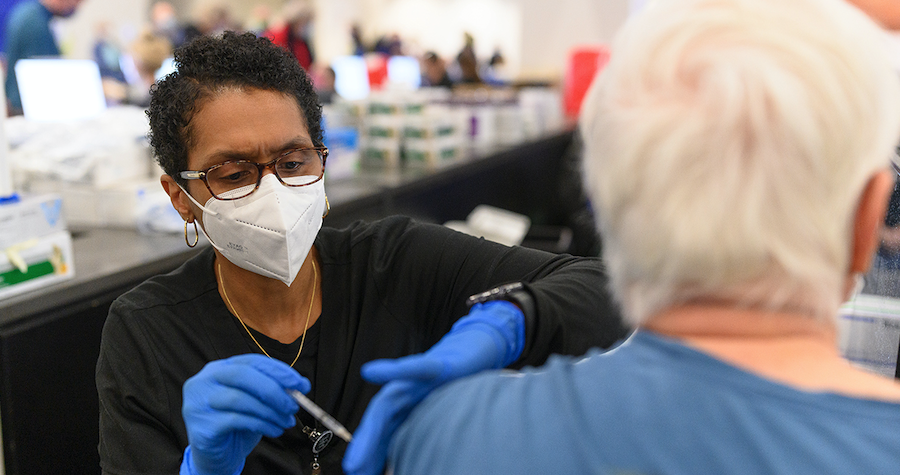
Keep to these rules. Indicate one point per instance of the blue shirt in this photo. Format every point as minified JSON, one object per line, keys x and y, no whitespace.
{"x":27,"y":36}
{"x":651,"y":406}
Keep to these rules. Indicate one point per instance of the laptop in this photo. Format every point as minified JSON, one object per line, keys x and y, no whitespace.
{"x":60,"y":89}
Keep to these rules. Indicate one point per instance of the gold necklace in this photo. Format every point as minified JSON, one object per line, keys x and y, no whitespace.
{"x":312,"y":299}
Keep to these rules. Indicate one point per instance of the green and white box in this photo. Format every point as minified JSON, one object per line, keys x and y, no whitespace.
{"x":36,"y":263}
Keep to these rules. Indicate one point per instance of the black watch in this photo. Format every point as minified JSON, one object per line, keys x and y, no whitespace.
{"x":517,"y":294}
{"x":514,"y":293}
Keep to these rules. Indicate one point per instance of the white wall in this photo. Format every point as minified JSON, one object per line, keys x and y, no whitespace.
{"x":439,"y":25}
{"x":553,"y":28}
{"x":76,"y":34}
{"x":535,"y":36}
{"x":331,"y":28}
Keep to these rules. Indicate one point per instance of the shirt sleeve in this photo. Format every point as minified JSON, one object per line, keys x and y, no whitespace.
{"x":892,"y":218}
{"x":574,"y":310}
{"x":135,"y":426}
{"x":438,"y":269}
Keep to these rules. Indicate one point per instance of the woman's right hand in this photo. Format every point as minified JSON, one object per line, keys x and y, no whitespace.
{"x":230,"y":404}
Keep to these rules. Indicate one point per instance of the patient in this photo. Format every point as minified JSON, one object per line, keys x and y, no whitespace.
{"x":737,"y":159}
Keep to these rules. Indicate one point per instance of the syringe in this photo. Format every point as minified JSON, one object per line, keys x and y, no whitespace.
{"x":321,"y":415}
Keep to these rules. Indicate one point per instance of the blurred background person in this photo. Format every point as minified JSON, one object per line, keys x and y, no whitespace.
{"x":737,"y":157}
{"x":259,"y":19}
{"x":147,"y":52}
{"x":165,"y":23}
{"x":466,"y":67}
{"x":107,"y":53}
{"x":211,"y":18}
{"x":293,"y":32}
{"x":28,"y":35}
{"x":434,"y":71}
{"x":325,"y":86}
{"x":359,"y":47}
{"x":389,"y":45}
{"x":494,"y":71}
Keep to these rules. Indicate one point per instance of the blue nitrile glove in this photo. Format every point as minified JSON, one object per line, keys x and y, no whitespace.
{"x":230,"y":404}
{"x":491,"y":336}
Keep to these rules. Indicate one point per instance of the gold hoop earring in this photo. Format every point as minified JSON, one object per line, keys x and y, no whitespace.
{"x":327,"y":207}
{"x":196,"y":234}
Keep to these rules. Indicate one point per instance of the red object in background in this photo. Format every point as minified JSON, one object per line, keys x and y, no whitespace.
{"x":297,"y":46}
{"x":376,"y":64}
{"x":584,"y":63}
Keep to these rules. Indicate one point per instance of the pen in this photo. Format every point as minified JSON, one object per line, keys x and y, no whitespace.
{"x":321,"y":415}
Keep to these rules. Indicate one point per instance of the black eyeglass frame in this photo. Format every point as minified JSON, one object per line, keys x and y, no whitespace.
{"x":202,"y":174}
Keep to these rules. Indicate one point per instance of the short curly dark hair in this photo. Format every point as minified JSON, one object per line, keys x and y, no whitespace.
{"x":209,"y":64}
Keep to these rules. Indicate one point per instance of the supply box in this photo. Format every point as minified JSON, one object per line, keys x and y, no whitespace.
{"x":868,"y":332}
{"x":36,"y":247}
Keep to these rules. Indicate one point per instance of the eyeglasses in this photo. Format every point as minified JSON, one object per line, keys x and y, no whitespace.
{"x":237,"y":179}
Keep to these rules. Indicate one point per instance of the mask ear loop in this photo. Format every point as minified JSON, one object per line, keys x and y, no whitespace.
{"x":196,"y":234}
{"x":327,"y":207}
{"x":205,"y":210}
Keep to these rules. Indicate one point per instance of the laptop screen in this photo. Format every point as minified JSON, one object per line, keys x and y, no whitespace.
{"x":60,"y":89}
{"x":405,"y":70}
{"x":351,"y":78}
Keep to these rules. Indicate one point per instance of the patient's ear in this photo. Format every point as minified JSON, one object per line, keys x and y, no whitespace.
{"x":177,"y":196}
{"x":869,"y":219}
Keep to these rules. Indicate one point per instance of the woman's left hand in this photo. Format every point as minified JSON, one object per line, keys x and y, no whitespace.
{"x":491,"y":336}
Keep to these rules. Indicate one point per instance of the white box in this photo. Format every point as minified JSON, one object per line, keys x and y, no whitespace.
{"x":122,"y":205}
{"x":31,"y":217}
{"x":384,"y":126}
{"x":47,"y":259}
{"x":869,"y":332}
{"x":430,"y":153}
{"x":381,"y":153}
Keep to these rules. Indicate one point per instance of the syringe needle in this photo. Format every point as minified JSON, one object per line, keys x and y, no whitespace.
{"x":320,"y":414}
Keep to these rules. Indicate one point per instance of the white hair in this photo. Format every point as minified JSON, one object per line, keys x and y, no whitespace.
{"x":727,"y":144}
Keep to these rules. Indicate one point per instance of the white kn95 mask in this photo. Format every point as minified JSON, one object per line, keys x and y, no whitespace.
{"x":268,"y":232}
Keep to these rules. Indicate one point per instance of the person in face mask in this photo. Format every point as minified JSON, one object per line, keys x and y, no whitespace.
{"x":194,"y":365}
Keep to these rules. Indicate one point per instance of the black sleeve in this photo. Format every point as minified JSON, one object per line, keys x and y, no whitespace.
{"x":574,"y":311}
{"x":575,"y":206}
{"x":135,"y":425}
{"x":438,"y":269}
{"x":892,"y":218}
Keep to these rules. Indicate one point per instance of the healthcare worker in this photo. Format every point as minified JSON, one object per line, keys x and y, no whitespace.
{"x":194,"y":365}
